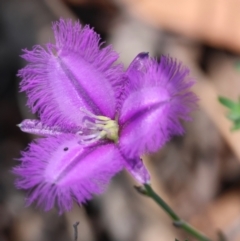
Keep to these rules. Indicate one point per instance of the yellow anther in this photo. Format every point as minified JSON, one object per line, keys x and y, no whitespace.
{"x":109,"y":128}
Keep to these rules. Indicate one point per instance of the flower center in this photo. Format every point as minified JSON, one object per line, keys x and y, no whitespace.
{"x":96,"y":127}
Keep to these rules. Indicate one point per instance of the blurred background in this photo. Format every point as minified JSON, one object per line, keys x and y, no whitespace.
{"x":198,"y":174}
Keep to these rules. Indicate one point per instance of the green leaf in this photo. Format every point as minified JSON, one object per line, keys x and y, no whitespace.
{"x":236,"y":126}
{"x":237,"y":65}
{"x":228,"y":103}
{"x":234,"y":116}
{"x":234,"y":113}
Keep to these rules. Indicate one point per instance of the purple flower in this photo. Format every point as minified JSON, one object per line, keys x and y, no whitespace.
{"x":95,"y":118}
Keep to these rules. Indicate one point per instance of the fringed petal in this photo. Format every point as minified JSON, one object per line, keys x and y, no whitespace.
{"x":72,"y":74}
{"x":58,"y":171}
{"x":157,"y":98}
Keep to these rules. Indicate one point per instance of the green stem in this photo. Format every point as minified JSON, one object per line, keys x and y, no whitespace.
{"x":178,"y":222}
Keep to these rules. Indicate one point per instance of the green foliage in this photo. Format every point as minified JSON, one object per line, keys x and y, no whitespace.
{"x":237,"y":65}
{"x":234,"y":111}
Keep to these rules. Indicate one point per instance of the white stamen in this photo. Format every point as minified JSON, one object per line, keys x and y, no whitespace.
{"x":98,"y":127}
